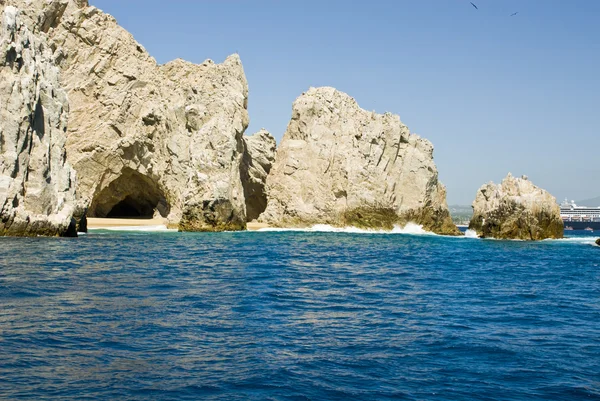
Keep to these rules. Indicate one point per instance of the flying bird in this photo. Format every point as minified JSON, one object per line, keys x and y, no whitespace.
{"x":513,"y":14}
{"x":474,"y":5}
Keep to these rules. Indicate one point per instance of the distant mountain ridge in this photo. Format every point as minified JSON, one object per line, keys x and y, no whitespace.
{"x":593,"y":202}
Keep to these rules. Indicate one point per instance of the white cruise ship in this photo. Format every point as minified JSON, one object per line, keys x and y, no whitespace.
{"x":579,"y":217}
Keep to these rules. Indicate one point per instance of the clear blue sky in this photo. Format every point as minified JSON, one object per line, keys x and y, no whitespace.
{"x":493,"y":93}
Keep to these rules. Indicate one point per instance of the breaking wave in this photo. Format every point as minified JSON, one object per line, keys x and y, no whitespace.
{"x":410,"y":228}
{"x":575,"y":240}
{"x":471,"y":234}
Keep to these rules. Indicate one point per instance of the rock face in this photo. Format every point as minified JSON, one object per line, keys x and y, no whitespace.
{"x":341,"y":165}
{"x":37,"y":185}
{"x":147,"y":139}
{"x":598,"y":242}
{"x":516,"y":209}
{"x":259,"y":155}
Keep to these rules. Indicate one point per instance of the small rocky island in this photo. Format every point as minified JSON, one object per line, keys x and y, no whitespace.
{"x":515,"y":209}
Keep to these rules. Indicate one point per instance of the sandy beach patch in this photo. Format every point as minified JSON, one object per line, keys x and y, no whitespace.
{"x":94,"y":222}
{"x":253,"y":226}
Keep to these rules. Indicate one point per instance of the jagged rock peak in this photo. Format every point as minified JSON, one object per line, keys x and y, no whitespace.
{"x":516,"y":209}
{"x":259,"y":155}
{"x":342,"y":165}
{"x":37,"y":186}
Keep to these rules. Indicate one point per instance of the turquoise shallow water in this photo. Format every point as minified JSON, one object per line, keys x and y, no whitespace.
{"x":298,"y":316}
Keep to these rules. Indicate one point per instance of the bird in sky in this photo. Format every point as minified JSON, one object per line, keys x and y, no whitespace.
{"x":513,"y":14}
{"x":474,"y":5}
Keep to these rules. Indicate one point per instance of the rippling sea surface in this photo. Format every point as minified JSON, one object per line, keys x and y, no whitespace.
{"x":298,"y":316}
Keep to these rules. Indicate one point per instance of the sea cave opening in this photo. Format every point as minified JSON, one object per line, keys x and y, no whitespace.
{"x":132,"y":195}
{"x":131,"y":208}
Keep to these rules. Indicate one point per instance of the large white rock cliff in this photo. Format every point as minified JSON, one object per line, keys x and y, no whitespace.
{"x":516,"y":209}
{"x":147,"y":139}
{"x":37,"y":185}
{"x":342,"y":165}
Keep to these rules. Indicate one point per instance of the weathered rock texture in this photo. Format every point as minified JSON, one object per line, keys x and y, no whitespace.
{"x":259,"y":155}
{"x":516,"y":209}
{"x":37,"y":185}
{"x":147,"y":139}
{"x":341,"y":165}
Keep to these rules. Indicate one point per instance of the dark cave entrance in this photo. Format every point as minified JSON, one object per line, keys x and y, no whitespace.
{"x":130,"y":207}
{"x":132,"y":195}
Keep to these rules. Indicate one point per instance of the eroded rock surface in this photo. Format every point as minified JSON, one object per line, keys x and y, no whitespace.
{"x":341,"y":165}
{"x":516,"y":209}
{"x":147,"y":139}
{"x":259,"y":155}
{"x":37,"y":185}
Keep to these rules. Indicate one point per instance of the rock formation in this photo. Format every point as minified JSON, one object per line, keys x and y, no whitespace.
{"x":516,"y":209}
{"x":147,"y":139}
{"x":259,"y":155}
{"x":341,"y":165}
{"x":37,"y":186}
{"x":598,"y":242}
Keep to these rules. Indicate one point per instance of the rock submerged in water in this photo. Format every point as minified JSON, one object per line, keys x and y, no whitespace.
{"x":516,"y":209}
{"x":341,"y":165}
{"x":37,"y":185}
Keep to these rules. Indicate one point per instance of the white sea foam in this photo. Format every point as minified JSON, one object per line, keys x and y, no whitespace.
{"x":575,"y":240}
{"x":158,"y":228}
{"x":471,"y":234}
{"x":410,"y":228}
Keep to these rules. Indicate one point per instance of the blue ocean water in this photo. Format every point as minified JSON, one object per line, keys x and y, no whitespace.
{"x":298,"y":316}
